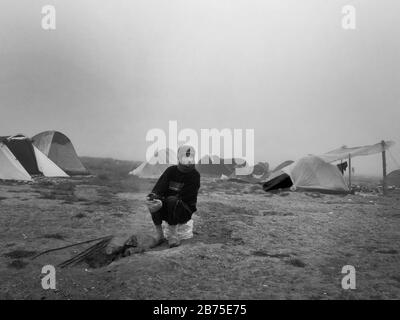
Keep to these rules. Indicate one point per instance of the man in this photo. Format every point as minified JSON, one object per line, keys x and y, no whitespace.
{"x":174,"y":197}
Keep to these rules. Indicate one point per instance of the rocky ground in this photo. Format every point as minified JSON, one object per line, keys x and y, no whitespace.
{"x":247,"y":244}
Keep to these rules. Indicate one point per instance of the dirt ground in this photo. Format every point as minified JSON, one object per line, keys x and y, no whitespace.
{"x":248,"y":244}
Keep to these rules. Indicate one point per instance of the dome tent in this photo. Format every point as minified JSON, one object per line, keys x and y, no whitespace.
{"x":309,"y":173}
{"x":393,"y":178}
{"x":20,"y":159}
{"x":22,"y":149}
{"x":10,"y":167}
{"x":58,"y":148}
{"x":214,"y":166}
{"x":156,"y":165}
{"x":313,"y":173}
{"x":278,"y":180}
{"x":251,"y":174}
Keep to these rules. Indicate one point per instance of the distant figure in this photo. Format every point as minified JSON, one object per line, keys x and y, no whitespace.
{"x":174,"y":197}
{"x":342,"y":167}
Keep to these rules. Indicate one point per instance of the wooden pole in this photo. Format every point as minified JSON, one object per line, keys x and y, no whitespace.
{"x":384,"y":168}
{"x":350,"y":172}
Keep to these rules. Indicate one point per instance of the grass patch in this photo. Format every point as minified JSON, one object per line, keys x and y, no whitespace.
{"x":296,"y":262}
{"x":60,"y":191}
{"x":56,"y":236}
{"x":17,"y":254}
{"x":387,"y":251}
{"x":277,"y":213}
{"x":17,"y":264}
{"x":260,"y":253}
{"x":80,"y":215}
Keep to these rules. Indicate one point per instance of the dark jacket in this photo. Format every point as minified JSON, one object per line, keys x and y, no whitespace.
{"x":185,"y":186}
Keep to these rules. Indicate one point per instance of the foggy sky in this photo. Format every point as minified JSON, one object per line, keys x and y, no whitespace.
{"x":112,"y":70}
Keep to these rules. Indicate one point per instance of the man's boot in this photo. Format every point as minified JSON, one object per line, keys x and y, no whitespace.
{"x":173,"y":240}
{"x":160,"y":239}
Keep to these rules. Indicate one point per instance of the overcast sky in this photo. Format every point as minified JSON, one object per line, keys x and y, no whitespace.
{"x":112,"y":70}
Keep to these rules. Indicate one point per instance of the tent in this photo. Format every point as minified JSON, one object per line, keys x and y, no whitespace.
{"x":308,"y":173}
{"x":22,"y":149}
{"x":282,"y":165}
{"x":393,"y":178}
{"x":58,"y":148}
{"x":46,"y":166}
{"x":254,"y":174}
{"x":212,"y":165}
{"x":278,"y":180}
{"x":313,"y":173}
{"x":20,"y":159}
{"x":153,"y":168}
{"x":10,"y":167}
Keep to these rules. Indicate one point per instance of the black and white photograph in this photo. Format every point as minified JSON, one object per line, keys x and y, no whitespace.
{"x":199,"y":150}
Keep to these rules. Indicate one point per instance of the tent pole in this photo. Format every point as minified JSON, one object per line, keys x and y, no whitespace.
{"x":383,"y":167}
{"x":350,"y":172}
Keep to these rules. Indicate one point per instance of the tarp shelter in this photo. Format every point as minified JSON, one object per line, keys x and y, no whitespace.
{"x":309,"y":173}
{"x":349,"y":153}
{"x":20,"y":159}
{"x":58,"y":148}
{"x":153,"y":168}
{"x":344,"y":152}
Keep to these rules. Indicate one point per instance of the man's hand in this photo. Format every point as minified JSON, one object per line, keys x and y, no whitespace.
{"x":153,"y":202}
{"x":151,"y":197}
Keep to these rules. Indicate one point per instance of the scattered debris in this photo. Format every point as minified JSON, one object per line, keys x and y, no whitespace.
{"x":71,"y":245}
{"x":89,"y":253}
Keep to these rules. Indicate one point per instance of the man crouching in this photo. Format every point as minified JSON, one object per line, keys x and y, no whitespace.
{"x":174,"y":197}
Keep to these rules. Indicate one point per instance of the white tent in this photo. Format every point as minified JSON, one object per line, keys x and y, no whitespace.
{"x":10,"y":168}
{"x":156,"y":165}
{"x":313,"y":173}
{"x":18,"y":155}
{"x":282,"y":165}
{"x":59,"y":149}
{"x":46,"y":166}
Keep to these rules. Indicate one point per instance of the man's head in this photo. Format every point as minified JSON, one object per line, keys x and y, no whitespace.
{"x":186,"y":160}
